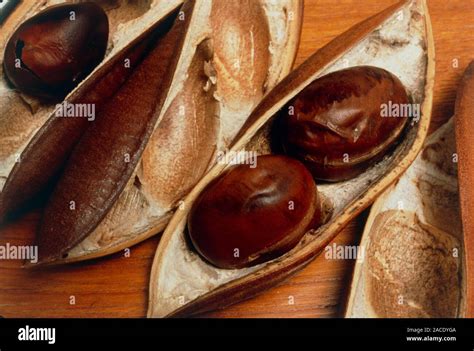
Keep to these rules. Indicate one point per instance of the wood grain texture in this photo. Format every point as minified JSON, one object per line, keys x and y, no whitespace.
{"x":117,"y":286}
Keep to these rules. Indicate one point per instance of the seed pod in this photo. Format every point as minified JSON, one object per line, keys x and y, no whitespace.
{"x":336,"y":125}
{"x":183,"y":283}
{"x":53,"y":51}
{"x":413,"y":262}
{"x":108,"y":152}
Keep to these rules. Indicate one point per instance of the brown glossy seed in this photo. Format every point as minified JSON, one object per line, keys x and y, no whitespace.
{"x":336,"y":126}
{"x":53,"y":51}
{"x":250,"y":215}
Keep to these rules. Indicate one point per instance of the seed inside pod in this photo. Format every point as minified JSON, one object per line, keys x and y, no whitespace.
{"x":345,"y":121}
{"x":251,"y":215}
{"x":53,"y":51}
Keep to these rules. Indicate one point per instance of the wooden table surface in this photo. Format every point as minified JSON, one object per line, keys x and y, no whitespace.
{"x":117,"y":286}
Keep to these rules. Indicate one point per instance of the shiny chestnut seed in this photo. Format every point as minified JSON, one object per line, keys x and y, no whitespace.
{"x":337,"y":125}
{"x":50,"y":53}
{"x":250,"y":215}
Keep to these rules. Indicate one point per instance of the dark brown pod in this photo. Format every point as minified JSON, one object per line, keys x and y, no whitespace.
{"x":336,"y":126}
{"x":108,"y":152}
{"x":50,"y":53}
{"x":250,"y":215}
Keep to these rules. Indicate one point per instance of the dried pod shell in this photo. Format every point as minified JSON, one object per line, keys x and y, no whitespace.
{"x":412,"y":242}
{"x":399,"y":40}
{"x":101,"y":164}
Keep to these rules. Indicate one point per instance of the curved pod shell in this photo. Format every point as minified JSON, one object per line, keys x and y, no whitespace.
{"x":398,"y":39}
{"x":412,"y":242}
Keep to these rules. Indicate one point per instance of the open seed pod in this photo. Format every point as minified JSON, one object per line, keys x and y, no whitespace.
{"x":20,"y":115}
{"x":413,"y":243}
{"x":196,"y":75}
{"x":399,"y":40}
